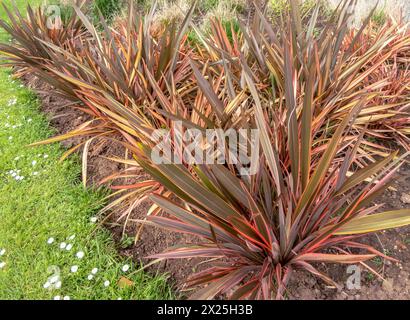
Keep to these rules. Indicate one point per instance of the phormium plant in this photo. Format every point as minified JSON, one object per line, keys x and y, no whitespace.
{"x":311,"y":95}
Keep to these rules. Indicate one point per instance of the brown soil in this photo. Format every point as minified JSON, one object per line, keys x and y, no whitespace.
{"x":303,"y":286}
{"x":154,"y":240}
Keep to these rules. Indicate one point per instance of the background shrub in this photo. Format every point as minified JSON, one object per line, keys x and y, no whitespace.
{"x":108,"y":8}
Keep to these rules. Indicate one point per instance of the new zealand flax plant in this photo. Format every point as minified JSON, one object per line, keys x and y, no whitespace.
{"x":308,"y":202}
{"x":27,"y":53}
{"x":369,"y":59}
{"x":300,"y":208}
{"x":388,"y":115}
{"x":310,"y":199}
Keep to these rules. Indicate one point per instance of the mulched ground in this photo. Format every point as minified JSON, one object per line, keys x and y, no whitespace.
{"x":303,"y":286}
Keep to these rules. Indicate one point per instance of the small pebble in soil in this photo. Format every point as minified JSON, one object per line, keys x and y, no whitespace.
{"x":388,"y":285}
{"x":405,"y":198}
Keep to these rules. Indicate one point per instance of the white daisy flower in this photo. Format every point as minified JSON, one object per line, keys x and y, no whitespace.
{"x":57,"y":298}
{"x":80,"y":254}
{"x":66,"y":298}
{"x":93,"y":219}
{"x":69,"y":247}
{"x":35,"y":173}
{"x":47,"y":285}
{"x":50,"y":240}
{"x":2,"y":265}
{"x":34,"y":162}
{"x":10,"y":138}
{"x":106,"y":283}
{"x":12,"y":102}
{"x":29,"y":120}
{"x":16,"y":158}
{"x":63,"y":245}
{"x":119,"y":298}
{"x":94,"y":271}
{"x":72,"y":237}
{"x":54,"y":279}
{"x":14,"y":174}
{"x":90,"y":277}
{"x":125,"y":268}
{"x":2,"y":252}
{"x":74,"y":269}
{"x":21,"y":178}
{"x":45,"y":156}
{"x":58,"y":285}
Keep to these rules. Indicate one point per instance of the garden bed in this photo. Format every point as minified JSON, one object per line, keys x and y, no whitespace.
{"x":307,"y":202}
{"x":394,"y":243}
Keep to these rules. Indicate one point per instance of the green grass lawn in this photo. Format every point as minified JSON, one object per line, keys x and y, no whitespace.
{"x":42,"y":200}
